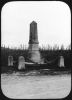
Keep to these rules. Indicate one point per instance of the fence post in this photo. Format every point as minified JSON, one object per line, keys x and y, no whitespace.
{"x":21,"y":63}
{"x":10,"y":60}
{"x":61,"y":61}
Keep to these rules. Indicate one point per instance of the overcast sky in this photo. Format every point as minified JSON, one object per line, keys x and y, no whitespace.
{"x":53,"y":22}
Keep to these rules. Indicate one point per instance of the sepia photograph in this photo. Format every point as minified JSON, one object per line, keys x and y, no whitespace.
{"x":36,"y":50}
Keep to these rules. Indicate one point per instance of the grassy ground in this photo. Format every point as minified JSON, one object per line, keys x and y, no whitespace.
{"x":12,"y":69}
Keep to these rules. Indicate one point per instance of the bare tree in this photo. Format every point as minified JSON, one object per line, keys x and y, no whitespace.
{"x":62,"y":47}
{"x":56,"y":47}
{"x":69,"y":47}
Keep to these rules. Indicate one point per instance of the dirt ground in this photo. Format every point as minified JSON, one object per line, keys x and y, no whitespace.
{"x":20,"y":86}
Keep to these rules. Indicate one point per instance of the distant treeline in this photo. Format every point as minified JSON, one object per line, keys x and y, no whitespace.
{"x":48,"y":54}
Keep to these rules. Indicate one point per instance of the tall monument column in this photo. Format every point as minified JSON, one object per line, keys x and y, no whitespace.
{"x":34,"y":53}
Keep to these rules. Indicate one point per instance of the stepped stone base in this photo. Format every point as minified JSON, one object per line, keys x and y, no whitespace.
{"x":34,"y":53}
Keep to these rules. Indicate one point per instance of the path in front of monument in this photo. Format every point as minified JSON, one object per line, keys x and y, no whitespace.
{"x":20,"y":86}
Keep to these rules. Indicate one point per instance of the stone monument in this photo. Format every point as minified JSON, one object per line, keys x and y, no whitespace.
{"x":10,"y":60}
{"x":61,"y":62}
{"x":21,"y":63}
{"x":34,"y":53}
